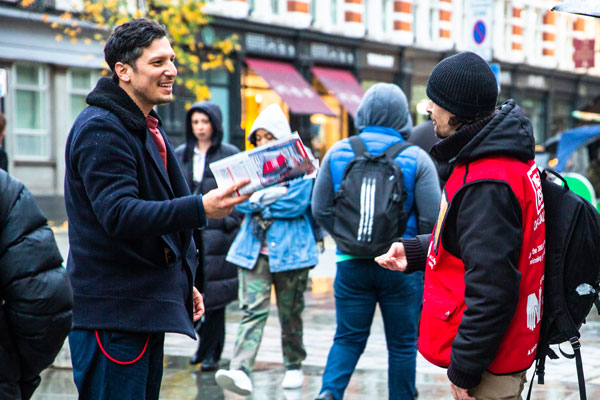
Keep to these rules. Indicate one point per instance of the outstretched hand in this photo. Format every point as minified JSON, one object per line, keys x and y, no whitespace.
{"x":394,"y":259}
{"x":219,"y":203}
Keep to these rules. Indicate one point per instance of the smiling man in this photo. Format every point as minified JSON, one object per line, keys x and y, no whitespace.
{"x":132,"y":259}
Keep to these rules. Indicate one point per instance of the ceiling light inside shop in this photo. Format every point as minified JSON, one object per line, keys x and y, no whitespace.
{"x":318,"y":119}
{"x":258,"y":98}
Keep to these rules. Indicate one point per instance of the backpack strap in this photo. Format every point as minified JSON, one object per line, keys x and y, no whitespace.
{"x":579,"y":363}
{"x":358,"y":146}
{"x":395,"y":149}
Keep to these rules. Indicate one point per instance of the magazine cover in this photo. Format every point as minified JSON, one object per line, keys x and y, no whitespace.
{"x":276,"y":162}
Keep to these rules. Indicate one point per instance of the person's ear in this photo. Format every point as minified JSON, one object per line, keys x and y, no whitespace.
{"x":123,"y":71}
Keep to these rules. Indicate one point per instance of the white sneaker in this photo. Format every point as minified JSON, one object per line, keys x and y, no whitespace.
{"x":293,"y":379}
{"x":235,"y":380}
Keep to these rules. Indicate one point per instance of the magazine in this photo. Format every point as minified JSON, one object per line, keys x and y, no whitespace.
{"x":273,"y":163}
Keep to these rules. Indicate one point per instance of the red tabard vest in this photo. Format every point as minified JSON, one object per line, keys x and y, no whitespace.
{"x":444,"y":301}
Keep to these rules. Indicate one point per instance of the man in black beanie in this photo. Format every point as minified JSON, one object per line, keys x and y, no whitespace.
{"x":484,"y":262}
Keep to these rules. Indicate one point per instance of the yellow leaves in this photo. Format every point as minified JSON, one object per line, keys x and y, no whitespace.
{"x":201,"y":92}
{"x":184,"y":20}
{"x":121,"y":20}
{"x":93,"y":9}
{"x":189,"y":84}
{"x":229,"y":65}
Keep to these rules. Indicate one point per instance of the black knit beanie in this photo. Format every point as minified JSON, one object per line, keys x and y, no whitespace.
{"x":463,"y":84}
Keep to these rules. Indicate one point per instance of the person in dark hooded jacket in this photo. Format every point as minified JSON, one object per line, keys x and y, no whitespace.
{"x":36,"y":297}
{"x":216,"y":277}
{"x":484,"y":262}
{"x":383,"y":119}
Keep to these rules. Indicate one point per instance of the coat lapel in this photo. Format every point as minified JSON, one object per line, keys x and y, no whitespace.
{"x":151,"y":148}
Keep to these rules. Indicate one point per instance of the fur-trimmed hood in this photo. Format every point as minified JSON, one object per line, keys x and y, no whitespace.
{"x":109,"y":95}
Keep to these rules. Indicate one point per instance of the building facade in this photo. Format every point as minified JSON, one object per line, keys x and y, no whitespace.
{"x":314,"y":58}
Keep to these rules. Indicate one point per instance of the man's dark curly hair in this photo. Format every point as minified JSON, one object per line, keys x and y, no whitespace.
{"x":128,"y":41}
{"x":458,"y":122}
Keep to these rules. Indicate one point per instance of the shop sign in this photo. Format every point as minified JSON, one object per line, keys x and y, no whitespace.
{"x":259,"y":43}
{"x":333,"y":54}
{"x":380,"y":60}
{"x":3,"y":81}
{"x":480,"y":19}
{"x":583,"y":53}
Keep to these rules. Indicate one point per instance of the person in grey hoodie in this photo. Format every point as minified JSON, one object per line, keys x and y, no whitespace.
{"x":216,"y":278}
{"x":275,"y":246}
{"x":383,"y":120}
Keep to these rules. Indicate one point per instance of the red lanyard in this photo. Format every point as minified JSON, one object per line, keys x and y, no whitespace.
{"x":122,"y":362}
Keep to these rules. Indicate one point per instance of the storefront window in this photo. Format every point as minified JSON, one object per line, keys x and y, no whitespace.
{"x":535,"y":110}
{"x":256,"y":96}
{"x":327,"y":130}
{"x":561,"y":116}
{"x":31,"y":133}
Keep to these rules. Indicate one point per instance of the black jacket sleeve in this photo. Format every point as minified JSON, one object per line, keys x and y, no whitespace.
{"x":416,"y":252}
{"x":484,"y":230}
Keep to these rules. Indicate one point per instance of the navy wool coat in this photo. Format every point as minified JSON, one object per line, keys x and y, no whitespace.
{"x":132,"y":259}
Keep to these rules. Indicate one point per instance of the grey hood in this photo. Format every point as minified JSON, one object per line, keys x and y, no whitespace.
{"x":384,"y":104}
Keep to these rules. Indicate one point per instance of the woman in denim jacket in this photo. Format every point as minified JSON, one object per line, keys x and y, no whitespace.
{"x":275,"y":245}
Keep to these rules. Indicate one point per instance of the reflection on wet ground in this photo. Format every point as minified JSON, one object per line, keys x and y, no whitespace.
{"x":182,"y":381}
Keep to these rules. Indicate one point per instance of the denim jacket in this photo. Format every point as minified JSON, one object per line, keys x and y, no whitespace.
{"x":289,"y":238}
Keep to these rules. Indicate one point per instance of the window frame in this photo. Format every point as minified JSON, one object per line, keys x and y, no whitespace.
{"x":44,"y":132}
{"x":94,"y":76}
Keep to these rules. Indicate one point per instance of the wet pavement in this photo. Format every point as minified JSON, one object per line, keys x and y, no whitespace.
{"x":182,"y":381}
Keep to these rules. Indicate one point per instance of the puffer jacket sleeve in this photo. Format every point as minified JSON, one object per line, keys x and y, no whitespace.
{"x":36,"y":291}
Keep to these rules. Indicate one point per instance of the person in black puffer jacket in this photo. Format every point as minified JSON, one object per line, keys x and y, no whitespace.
{"x":36,"y":296}
{"x":216,"y":278}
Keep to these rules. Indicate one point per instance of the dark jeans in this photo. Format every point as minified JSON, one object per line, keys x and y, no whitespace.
{"x":97,"y":377}
{"x":211,"y":335}
{"x":359,"y":286}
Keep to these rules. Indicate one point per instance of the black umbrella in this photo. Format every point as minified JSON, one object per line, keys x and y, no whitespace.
{"x":589,"y":8}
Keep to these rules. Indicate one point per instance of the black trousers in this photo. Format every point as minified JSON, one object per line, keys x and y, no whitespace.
{"x":212,"y":335}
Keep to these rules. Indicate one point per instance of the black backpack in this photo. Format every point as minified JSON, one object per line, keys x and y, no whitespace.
{"x":369,"y":204}
{"x":572,"y":273}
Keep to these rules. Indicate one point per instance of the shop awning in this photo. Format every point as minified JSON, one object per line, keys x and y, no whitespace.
{"x":343,"y":85}
{"x":289,"y":84}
